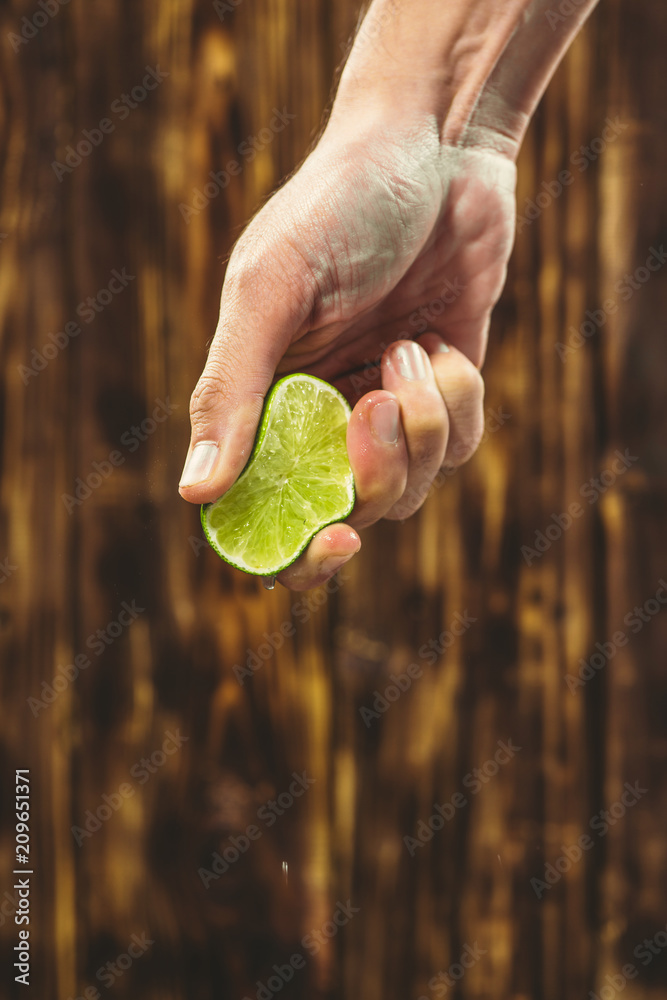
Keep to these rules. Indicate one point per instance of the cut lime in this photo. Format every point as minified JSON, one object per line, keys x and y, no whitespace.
{"x":298,"y":479}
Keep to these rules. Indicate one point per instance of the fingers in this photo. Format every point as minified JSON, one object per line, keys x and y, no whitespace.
{"x":379,"y":459}
{"x":378,"y":455}
{"x":407,"y":372}
{"x":264,"y":302}
{"x":462,"y":388}
{"x":430,"y":413}
{"x":328,"y":551}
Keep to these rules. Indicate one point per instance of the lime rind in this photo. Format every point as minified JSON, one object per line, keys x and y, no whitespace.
{"x":266,"y":519}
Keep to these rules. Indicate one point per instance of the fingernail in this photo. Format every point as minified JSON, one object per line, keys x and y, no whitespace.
{"x":384,"y":421}
{"x":442,"y":348}
{"x":334,"y":563}
{"x":410,"y":362}
{"x":199,"y":463}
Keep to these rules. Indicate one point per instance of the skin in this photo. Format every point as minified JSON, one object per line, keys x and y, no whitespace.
{"x":407,"y":203}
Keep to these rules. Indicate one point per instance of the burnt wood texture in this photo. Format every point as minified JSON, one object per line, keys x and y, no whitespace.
{"x":162,"y":701}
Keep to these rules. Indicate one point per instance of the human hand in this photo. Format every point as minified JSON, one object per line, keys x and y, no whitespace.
{"x":373,"y":242}
{"x":390,"y":244}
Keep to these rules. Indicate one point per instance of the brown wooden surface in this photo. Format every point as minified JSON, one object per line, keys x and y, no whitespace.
{"x":173,"y":668}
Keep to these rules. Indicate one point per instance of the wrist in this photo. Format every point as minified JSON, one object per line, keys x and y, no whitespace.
{"x":413,"y":60}
{"x":474,"y":69}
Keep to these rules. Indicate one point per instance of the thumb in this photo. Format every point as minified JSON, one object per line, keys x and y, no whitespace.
{"x":262,"y":310}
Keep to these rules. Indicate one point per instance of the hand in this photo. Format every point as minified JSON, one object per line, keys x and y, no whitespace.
{"x":376,"y":240}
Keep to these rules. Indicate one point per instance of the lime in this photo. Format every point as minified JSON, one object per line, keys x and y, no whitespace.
{"x":298,"y":479}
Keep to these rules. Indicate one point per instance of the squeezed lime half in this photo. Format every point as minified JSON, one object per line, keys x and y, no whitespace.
{"x":298,"y":479}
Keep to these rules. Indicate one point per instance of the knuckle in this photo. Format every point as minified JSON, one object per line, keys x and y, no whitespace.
{"x":426,"y":439}
{"x":467,"y":439}
{"x":377,"y":498}
{"x":472,"y":383}
{"x":462,"y":451}
{"x":466,"y":416}
{"x":267,"y":256}
{"x":247,"y":261}
{"x":209,"y":391}
{"x":411,"y":500}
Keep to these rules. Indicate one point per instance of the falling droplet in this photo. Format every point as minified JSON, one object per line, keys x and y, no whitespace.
{"x":268,"y":582}
{"x":285,"y":871}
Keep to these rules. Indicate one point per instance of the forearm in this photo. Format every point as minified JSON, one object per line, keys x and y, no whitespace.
{"x":526,"y":66}
{"x":435,"y":57}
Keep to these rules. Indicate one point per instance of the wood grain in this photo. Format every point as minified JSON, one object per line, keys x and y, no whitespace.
{"x":553,"y":422}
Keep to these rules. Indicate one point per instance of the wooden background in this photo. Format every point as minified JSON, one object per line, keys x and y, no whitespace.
{"x":133,"y":539}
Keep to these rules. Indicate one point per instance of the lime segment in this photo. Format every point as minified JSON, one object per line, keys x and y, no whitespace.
{"x":298,"y":480}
